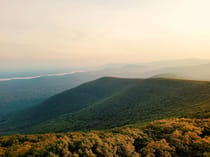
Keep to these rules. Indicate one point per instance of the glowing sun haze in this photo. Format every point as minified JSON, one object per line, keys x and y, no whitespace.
{"x":92,"y":32}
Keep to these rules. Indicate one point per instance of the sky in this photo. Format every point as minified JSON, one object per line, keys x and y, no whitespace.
{"x":76,"y":33}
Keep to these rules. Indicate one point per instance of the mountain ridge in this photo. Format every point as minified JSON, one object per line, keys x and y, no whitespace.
{"x":17,"y":95}
{"x":119,"y":102}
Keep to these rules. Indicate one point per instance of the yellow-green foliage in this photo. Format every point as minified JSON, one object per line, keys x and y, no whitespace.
{"x":163,"y":138}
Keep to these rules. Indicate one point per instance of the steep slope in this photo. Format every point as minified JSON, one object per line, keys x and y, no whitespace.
{"x":70,"y":101}
{"x":111,"y":102}
{"x":16,"y":95}
{"x":148,"y":100}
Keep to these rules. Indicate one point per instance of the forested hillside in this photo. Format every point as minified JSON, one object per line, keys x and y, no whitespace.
{"x":16,"y":95}
{"x":164,"y":138}
{"x":112,"y":102}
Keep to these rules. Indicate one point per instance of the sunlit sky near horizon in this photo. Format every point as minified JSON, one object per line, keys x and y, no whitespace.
{"x":65,"y":33}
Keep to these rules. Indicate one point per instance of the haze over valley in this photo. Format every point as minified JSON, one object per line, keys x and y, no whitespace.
{"x":95,"y":78}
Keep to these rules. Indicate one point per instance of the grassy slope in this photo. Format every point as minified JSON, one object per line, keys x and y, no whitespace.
{"x":147,"y":100}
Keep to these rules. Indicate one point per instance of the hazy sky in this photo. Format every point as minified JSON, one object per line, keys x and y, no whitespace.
{"x":56,"y":33}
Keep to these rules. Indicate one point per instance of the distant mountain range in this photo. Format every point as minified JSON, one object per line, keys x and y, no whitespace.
{"x":111,"y":102}
{"x":19,"y":93}
{"x":86,"y":114}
